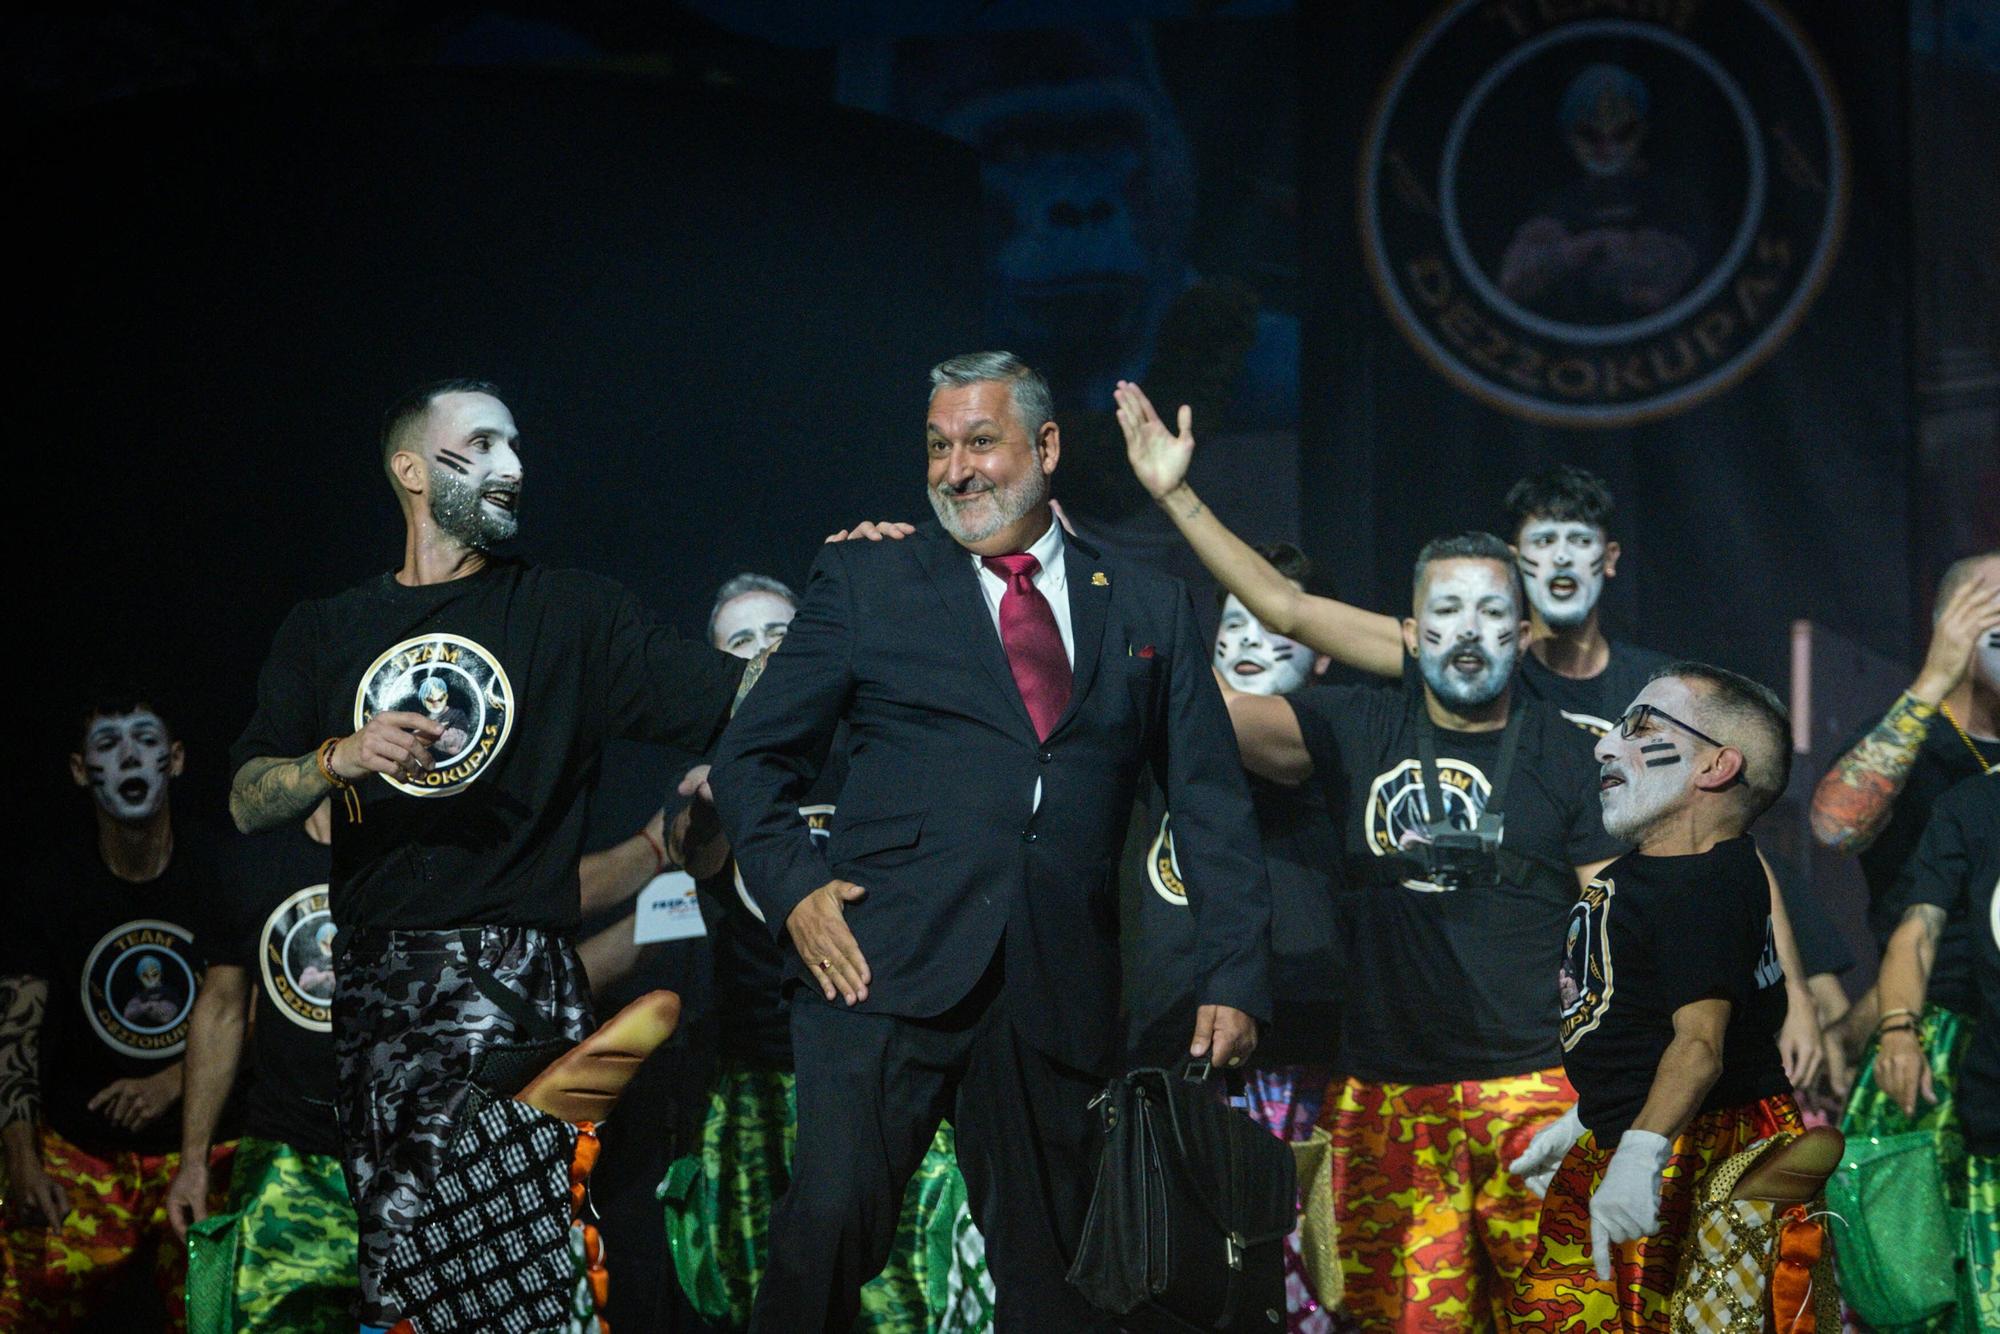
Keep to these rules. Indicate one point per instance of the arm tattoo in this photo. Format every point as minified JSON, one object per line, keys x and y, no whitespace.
{"x":22,"y":1000}
{"x":1194,"y":507}
{"x":750,"y":677}
{"x":270,"y":792}
{"x":1853,"y":801}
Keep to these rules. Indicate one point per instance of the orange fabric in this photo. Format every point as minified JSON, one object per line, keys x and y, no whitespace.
{"x":1433,"y":1228}
{"x":1800,"y":1243}
{"x":1561,"y":1290}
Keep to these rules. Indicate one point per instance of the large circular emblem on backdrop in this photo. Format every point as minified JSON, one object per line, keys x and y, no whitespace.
{"x":139,"y":984}
{"x":1593,"y":220}
{"x":458,"y":685}
{"x":295,"y":954}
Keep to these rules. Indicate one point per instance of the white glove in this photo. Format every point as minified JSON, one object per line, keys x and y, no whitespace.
{"x":1626,"y":1206}
{"x":1546,"y":1151}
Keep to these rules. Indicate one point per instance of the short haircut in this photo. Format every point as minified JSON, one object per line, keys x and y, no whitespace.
{"x":1289,"y":561}
{"x":747,"y":582}
{"x":1471,"y":546}
{"x":1033,"y":403}
{"x":1564,"y":494}
{"x":1750,"y":717}
{"x":1955,"y":574}
{"x":111,"y":698}
{"x":408,"y":410}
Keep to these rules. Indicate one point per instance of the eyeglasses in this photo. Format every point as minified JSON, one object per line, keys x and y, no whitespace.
{"x":1639,"y":715}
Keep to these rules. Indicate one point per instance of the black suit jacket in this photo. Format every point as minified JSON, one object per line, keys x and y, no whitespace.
{"x":937,"y":819}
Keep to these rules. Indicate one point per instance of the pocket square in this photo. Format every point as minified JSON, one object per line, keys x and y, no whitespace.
{"x":1144,"y":652}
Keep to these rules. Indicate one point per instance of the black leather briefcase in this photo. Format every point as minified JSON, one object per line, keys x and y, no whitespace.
{"x":1192,"y":1205}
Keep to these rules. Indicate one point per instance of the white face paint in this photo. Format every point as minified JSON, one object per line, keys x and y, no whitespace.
{"x":1986,"y":659}
{"x":1257,"y":661}
{"x":1468,"y":631}
{"x":1649,"y":776}
{"x":749,"y":623}
{"x":475,"y":468}
{"x":1562,"y":563}
{"x":129,"y":758}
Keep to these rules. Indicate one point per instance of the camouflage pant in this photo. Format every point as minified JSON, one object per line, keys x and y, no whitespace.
{"x":409,"y":1020}
{"x":54,"y":1278}
{"x":282,"y":1258}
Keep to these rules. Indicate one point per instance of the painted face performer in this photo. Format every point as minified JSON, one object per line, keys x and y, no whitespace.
{"x":557,"y":663}
{"x":98,"y":967}
{"x":1560,"y":523}
{"x":1671,"y":1036}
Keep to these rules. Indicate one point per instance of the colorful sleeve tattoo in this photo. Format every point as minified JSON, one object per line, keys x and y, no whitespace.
{"x":1853,"y":801}
{"x":21,"y":1002}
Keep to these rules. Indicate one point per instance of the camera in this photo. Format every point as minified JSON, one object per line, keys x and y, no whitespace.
{"x":1456,"y":858}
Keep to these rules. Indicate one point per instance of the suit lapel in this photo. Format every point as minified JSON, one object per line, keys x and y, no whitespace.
{"x":1088,"y":602}
{"x":951,"y":573}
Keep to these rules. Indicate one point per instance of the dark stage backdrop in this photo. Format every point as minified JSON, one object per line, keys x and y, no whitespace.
{"x":712,"y":316}
{"x":1666,"y":241}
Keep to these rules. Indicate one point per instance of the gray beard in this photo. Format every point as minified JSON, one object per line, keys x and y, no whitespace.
{"x":1458,"y":692}
{"x":461,"y":516}
{"x":1009,"y":504}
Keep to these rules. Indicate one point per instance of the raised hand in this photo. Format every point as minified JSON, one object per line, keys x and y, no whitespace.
{"x":1159,"y":457}
{"x":1968,"y":614}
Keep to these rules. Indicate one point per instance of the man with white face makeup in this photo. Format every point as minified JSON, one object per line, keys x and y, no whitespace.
{"x":99,"y":963}
{"x":1672,"y":1002}
{"x":1469,"y":823}
{"x":455,"y":885}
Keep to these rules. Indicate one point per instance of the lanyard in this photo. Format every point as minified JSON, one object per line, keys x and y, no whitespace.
{"x":1510,"y":742}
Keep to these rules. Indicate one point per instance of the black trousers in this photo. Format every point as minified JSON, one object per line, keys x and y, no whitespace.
{"x":871,"y":1091}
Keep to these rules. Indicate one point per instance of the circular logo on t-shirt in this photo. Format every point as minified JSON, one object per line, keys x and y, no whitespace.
{"x":1583,"y":980}
{"x":139,"y":984}
{"x":819,"y":827}
{"x":1595,"y":219}
{"x":458,"y":685}
{"x":295,"y":954}
{"x":1163,"y":868}
{"x":1398,"y":810}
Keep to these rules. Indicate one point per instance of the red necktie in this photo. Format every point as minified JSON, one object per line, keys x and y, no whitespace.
{"x":1033,"y":642}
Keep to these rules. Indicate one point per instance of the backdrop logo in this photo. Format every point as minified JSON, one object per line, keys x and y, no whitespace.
{"x":1596,"y":213}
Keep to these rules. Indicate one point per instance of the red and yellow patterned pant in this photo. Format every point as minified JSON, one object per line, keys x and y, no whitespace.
{"x":56,"y":1277}
{"x":1433,"y":1228}
{"x":1561,"y":1290}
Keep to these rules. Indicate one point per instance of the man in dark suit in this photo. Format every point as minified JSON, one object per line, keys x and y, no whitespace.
{"x":954,"y":945}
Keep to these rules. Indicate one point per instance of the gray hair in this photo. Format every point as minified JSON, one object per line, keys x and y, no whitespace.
{"x":1033,"y":403}
{"x":1748,"y":710}
{"x":747,"y":582}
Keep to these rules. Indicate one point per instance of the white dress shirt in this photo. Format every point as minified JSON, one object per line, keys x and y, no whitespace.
{"x":1052,"y":581}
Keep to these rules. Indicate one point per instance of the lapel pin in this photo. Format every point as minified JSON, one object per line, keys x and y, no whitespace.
{"x":1097,"y":580}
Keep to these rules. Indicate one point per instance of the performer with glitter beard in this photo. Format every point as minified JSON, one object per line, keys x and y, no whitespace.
{"x":1672,"y":998}
{"x":455,"y":878}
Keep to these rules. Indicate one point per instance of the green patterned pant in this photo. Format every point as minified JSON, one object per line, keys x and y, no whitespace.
{"x":718,"y":1210}
{"x":1870,"y":1111}
{"x":283,"y":1257}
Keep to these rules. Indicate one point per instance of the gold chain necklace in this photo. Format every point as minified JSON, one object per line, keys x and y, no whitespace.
{"x":1966,"y":737}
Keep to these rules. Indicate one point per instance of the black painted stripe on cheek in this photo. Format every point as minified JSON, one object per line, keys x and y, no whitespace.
{"x":458,"y":463}
{"x":1662,"y":761}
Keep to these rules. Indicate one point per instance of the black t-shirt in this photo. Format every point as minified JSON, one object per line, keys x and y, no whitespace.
{"x":531,"y":670}
{"x":1596,"y":702}
{"x":1648,"y":936}
{"x":1956,"y":867}
{"x":753,"y":1018}
{"x":1302,"y":855}
{"x":1445,"y":985}
{"x":122,"y":962}
{"x":275,"y":924}
{"x":1942,"y":762}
